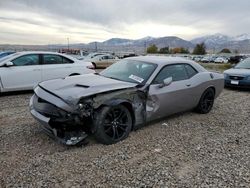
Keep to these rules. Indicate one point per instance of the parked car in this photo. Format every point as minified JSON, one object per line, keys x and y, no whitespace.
{"x":197,"y":58}
{"x":103,"y":61}
{"x":24,"y":70}
{"x":123,"y":97}
{"x":237,"y":59}
{"x":4,"y":54}
{"x":92,"y":55}
{"x":221,"y":60}
{"x":208,"y":59}
{"x":239,"y":76}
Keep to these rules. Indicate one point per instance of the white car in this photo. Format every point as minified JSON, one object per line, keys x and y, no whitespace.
{"x":24,"y":70}
{"x":103,"y":61}
{"x":94,"y":54}
{"x":221,"y":60}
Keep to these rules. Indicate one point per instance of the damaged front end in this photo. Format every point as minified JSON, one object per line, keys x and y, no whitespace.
{"x":71,"y":122}
{"x":65,"y":126}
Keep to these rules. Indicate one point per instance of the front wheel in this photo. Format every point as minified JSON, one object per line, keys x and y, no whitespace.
{"x":113,"y":124}
{"x":206,"y":101}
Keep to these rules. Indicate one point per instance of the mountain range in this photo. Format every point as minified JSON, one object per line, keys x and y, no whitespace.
{"x":214,"y":43}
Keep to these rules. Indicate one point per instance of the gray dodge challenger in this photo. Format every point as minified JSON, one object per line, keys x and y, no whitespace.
{"x":124,"y":97}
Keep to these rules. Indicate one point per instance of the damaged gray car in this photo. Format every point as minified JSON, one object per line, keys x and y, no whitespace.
{"x":124,"y":97}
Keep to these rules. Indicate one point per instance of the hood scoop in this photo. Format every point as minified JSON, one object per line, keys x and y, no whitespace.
{"x":81,"y":85}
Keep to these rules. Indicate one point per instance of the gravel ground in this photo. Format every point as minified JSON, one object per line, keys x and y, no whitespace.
{"x":185,"y":150}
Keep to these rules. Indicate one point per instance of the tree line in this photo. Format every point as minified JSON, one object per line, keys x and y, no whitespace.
{"x":200,"y":49}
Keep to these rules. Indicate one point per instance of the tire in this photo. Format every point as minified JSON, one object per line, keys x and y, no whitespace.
{"x":113,"y":124}
{"x":94,"y":65}
{"x":206,"y":101}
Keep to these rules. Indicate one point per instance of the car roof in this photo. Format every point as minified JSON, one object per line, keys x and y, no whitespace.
{"x":167,"y":60}
{"x":103,"y":55}
{"x":160,"y":59}
{"x":37,"y":52}
{"x":18,"y":54}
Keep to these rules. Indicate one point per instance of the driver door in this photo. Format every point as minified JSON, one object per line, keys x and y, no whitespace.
{"x":23,"y":75}
{"x":170,"y":99}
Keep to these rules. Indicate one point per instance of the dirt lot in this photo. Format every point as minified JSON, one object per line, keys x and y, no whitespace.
{"x":185,"y":150}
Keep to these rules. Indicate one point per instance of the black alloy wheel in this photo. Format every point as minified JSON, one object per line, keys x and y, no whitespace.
{"x":206,"y":102}
{"x":113,"y":124}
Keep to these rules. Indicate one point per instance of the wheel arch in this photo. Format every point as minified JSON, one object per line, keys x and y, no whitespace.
{"x":94,"y":64}
{"x":212,"y":87}
{"x":74,"y":74}
{"x":123,"y":102}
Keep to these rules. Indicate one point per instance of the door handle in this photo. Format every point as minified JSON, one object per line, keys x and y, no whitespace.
{"x":36,"y":69}
{"x":188,"y":85}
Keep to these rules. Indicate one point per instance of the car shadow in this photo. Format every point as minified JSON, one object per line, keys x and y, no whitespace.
{"x":11,"y":93}
{"x":237,"y":89}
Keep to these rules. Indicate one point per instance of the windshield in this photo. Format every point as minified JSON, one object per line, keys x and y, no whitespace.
{"x":8,"y":56}
{"x":245,"y":64}
{"x":130,"y":71}
{"x":92,"y":55}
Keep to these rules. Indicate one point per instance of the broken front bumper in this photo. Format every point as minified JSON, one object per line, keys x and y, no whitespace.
{"x":56,"y":122}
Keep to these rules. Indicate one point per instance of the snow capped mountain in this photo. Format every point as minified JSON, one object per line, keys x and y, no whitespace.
{"x":148,"y":38}
{"x":241,"y":37}
{"x":171,"y":41}
{"x":220,"y":41}
{"x":212,"y":40}
{"x":117,"y":42}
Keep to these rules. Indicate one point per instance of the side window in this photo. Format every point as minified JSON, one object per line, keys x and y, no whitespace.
{"x":67,"y":61}
{"x":190,"y":70}
{"x":25,"y":60}
{"x":177,"y":72}
{"x":50,"y":59}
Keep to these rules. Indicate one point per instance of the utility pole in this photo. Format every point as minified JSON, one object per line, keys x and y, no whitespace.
{"x":96,"y":46}
{"x":68,"y":43}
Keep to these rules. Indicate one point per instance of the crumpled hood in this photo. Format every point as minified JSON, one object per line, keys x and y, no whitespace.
{"x":72,"y":88}
{"x":242,"y":72}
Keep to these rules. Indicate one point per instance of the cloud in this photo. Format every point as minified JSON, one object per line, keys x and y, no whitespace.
{"x":85,"y":20}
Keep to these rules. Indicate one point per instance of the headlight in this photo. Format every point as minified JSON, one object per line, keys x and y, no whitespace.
{"x":85,"y":108}
{"x":225,"y":75}
{"x":80,"y":106}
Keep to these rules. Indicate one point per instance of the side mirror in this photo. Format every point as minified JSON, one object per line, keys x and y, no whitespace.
{"x":9,"y":64}
{"x":166,"y":82}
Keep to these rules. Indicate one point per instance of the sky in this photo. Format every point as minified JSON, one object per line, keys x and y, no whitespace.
{"x":84,"y":21}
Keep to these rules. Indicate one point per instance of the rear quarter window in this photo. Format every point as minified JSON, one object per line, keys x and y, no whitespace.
{"x":190,"y":70}
{"x":67,"y":61}
{"x":51,"y":59}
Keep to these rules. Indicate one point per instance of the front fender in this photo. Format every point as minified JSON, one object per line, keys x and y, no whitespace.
{"x":114,"y":102}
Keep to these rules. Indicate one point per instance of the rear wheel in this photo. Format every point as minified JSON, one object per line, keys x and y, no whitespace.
{"x":206,"y":102}
{"x":113,"y":124}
